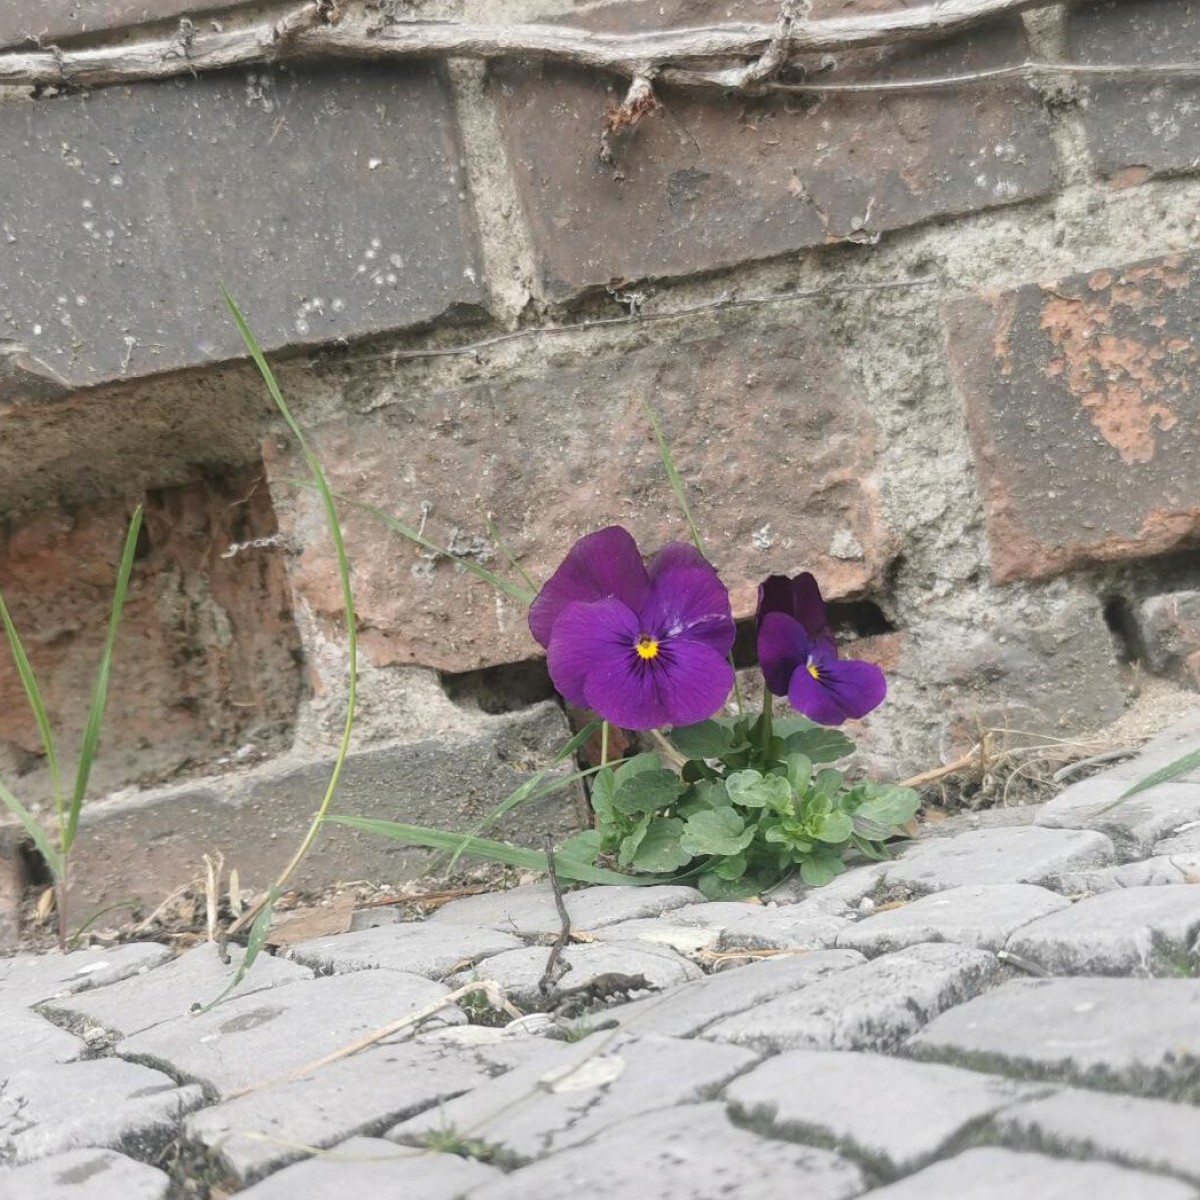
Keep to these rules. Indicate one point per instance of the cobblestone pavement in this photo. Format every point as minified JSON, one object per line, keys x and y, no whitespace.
{"x":1009,"y":1011}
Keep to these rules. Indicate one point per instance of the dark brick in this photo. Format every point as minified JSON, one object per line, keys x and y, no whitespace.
{"x":207,"y":653}
{"x":120,"y":212}
{"x":714,"y":179}
{"x":1083,"y":401}
{"x":41,"y":22}
{"x":1140,"y":127}
{"x":767,"y":426}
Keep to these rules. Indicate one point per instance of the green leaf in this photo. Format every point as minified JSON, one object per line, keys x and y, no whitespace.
{"x":632,"y":841}
{"x":836,"y":827}
{"x":884,"y":808}
{"x":660,"y":849}
{"x":716,"y":888}
{"x":37,"y":834}
{"x":751,"y":789}
{"x":732,"y":868}
{"x":817,"y":872}
{"x":721,"y":831}
{"x":254,"y":944}
{"x":582,"y":847}
{"x":819,"y":744}
{"x":604,"y":787}
{"x":799,"y":771}
{"x":647,"y":761}
{"x":91,"y":731}
{"x":704,"y":796}
{"x":513,"y":856}
{"x":828,"y":782}
{"x":647,"y":792}
{"x":36,"y":706}
{"x":708,"y":739}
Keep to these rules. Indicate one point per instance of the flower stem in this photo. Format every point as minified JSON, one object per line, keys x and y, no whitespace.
{"x":766,"y":727}
{"x":604,"y":743}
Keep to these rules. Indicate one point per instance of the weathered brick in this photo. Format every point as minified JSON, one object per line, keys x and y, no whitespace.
{"x":1139,"y":127}
{"x":206,"y":656}
{"x":1083,"y":403}
{"x":709,"y":182}
{"x":30,"y":22}
{"x":766,"y":425}
{"x":282,"y":183}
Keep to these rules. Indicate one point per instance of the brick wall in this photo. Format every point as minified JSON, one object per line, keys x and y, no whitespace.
{"x":989,"y":457}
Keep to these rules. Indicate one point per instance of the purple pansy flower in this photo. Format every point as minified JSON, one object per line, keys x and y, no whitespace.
{"x":644,"y":644}
{"x":799,"y":657}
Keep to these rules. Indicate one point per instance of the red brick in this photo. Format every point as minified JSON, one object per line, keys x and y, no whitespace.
{"x":123,"y":209}
{"x":207,"y":653}
{"x":1083,"y":401}
{"x":767,"y":427}
{"x":715,"y":179}
{"x":1138,"y":128}
{"x":33,"y":22}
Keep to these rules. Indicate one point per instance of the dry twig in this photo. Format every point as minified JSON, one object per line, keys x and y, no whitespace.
{"x":551,"y":974}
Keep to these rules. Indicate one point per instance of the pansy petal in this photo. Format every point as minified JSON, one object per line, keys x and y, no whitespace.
{"x":807,"y":606}
{"x":602,"y":564}
{"x":688,"y":601}
{"x":775,"y":595}
{"x":676,"y":554}
{"x":587,"y":636}
{"x":687,"y":682}
{"x":811,"y":699}
{"x":856,"y":686}
{"x":783,"y":649}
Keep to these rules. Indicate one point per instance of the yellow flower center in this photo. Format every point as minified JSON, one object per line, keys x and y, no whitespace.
{"x":647,"y":647}
{"x":814,"y":670}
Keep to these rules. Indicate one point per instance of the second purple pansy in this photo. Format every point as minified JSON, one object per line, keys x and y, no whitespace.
{"x":644,"y":644}
{"x":799,"y":657}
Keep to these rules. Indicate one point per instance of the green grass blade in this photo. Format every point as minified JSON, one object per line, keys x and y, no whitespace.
{"x":343,"y":565}
{"x":506,"y":586}
{"x":254,"y":944}
{"x":1181,"y":766}
{"x":513,"y":561}
{"x":36,"y":833}
{"x":37,"y":707}
{"x":527,"y":789}
{"x":513,"y":856}
{"x":91,"y":731}
{"x":668,"y":462}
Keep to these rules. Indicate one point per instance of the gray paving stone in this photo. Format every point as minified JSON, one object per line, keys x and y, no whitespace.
{"x":1131,"y":931}
{"x":870,"y":1007}
{"x":417,"y":947}
{"x":373,"y":918}
{"x":260,"y":1132}
{"x":27,"y":1038}
{"x":572,"y":1092}
{"x":1183,"y":840}
{"x":687,"y":1153}
{"x":1025,"y":854}
{"x":688,"y":1010}
{"x":991,"y":1174}
{"x":171,"y":990}
{"x":101,"y":1102}
{"x":31,"y":978}
{"x":893,"y":1115}
{"x":786,"y":927}
{"x":261,"y":1038}
{"x":1138,"y":1133}
{"x":1133,"y":1035}
{"x":981,"y":915}
{"x":529,"y":910}
{"x":840,"y":897}
{"x":1142,"y":820}
{"x":84,"y":1175}
{"x":1134,"y":825}
{"x":518,"y":972}
{"x":1159,"y":871}
{"x":688,"y":938}
{"x":370,"y":1168}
